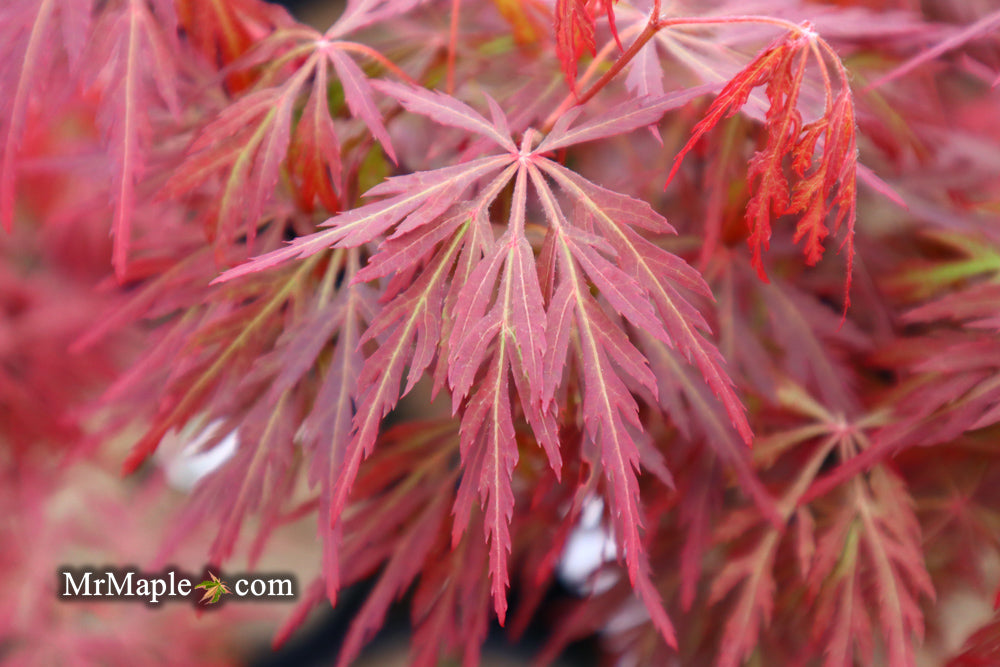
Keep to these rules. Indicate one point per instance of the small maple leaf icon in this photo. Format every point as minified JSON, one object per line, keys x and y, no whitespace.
{"x":214,"y":589}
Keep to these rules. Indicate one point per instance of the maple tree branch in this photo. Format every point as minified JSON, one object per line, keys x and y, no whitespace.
{"x":647,"y":34}
{"x":601,"y":56}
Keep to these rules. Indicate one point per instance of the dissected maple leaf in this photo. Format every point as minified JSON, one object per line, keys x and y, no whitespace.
{"x":873,"y":543}
{"x":290,"y":401}
{"x":819,"y":188}
{"x":250,"y":140}
{"x":955,"y":388}
{"x":130,"y":64}
{"x":212,"y":341}
{"x":867,"y":554}
{"x":573,"y":343}
{"x":516,"y":321}
{"x":495,"y":300}
{"x":958,"y":389}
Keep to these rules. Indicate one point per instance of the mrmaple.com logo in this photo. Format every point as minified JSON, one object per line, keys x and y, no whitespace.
{"x":171,"y":585}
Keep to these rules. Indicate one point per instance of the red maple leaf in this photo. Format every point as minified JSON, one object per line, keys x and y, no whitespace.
{"x":820,"y":187}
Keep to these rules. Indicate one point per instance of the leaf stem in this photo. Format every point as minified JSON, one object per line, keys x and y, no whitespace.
{"x":456,"y":6}
{"x":647,"y":34}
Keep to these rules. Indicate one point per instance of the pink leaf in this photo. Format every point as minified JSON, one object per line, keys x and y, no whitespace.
{"x":358,"y":92}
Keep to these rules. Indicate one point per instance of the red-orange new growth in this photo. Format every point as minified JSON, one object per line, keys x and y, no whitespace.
{"x":820,"y":187}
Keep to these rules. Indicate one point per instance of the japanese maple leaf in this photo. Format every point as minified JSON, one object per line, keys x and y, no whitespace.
{"x":328,"y":425}
{"x":398,"y":527}
{"x":209,"y":372}
{"x":445,"y":259}
{"x":961,"y":391}
{"x":248,"y":144}
{"x":869,"y":559}
{"x":215,"y":588}
{"x":864,"y":552}
{"x":821,"y":188}
{"x":748,"y":576}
